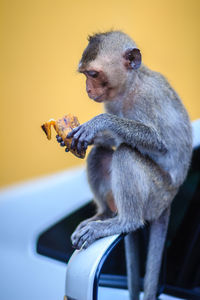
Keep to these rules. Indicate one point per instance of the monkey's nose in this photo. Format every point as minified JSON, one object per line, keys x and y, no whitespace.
{"x":88,"y":90}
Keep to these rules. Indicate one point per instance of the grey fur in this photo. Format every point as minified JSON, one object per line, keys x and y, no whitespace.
{"x":156,"y":244}
{"x":150,"y":131}
{"x":132,"y":264}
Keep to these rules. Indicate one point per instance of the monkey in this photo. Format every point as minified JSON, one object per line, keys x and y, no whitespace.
{"x":142,"y":146}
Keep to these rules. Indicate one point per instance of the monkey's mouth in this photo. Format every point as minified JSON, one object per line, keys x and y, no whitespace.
{"x":99,"y":98}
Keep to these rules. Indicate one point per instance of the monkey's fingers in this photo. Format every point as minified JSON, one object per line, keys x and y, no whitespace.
{"x":61,"y":142}
{"x":85,"y":146}
{"x":79,"y":238}
{"x":71,"y":133}
{"x":81,"y":142}
{"x":86,"y":239}
{"x":73,"y":144}
{"x":75,"y":139}
{"x":82,"y":147}
{"x":59,"y":139}
{"x":84,"y":140}
{"x":78,"y":141}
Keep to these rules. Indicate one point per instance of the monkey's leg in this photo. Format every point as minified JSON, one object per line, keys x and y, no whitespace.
{"x":99,"y":177}
{"x":133,"y":186}
{"x":132,"y":264}
{"x":155,"y":250}
{"x":130,"y":197}
{"x":98,"y":171}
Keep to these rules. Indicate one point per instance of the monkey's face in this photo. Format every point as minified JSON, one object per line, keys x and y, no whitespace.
{"x":104,"y":79}
{"x":97,"y":85}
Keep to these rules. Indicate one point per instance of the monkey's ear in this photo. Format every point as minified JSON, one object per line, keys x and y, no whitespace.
{"x":133,"y":58}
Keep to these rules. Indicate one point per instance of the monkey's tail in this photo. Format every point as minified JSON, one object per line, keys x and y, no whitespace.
{"x":158,"y":231}
{"x":132,"y":264}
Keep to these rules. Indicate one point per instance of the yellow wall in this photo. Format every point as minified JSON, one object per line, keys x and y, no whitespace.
{"x":41,"y":42}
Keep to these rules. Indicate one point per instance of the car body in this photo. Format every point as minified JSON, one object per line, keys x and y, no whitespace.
{"x":36,"y":220}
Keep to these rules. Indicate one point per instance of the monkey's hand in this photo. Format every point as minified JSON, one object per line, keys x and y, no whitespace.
{"x":84,"y":135}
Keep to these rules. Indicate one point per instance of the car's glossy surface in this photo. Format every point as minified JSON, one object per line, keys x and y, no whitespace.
{"x":29,"y":210}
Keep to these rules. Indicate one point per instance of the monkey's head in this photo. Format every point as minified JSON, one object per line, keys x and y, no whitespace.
{"x":107,"y":62}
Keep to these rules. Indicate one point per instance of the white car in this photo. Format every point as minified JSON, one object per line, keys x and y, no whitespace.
{"x":38,"y":217}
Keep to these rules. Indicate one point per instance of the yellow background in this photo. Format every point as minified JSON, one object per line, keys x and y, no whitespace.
{"x":41,"y":43}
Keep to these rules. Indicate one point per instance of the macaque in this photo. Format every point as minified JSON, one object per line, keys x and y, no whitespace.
{"x":141,"y":152}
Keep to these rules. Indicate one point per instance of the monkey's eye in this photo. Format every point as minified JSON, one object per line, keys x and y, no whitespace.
{"x":93,"y":74}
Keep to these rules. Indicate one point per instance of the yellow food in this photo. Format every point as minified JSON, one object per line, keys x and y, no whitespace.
{"x":63,"y":127}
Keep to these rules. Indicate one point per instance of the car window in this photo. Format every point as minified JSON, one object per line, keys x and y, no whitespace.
{"x":55,"y":241}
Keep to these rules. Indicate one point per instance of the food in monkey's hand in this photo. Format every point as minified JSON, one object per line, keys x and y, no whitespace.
{"x":63,"y":127}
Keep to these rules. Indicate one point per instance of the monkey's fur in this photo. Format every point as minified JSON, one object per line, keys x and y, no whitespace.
{"x":141,"y":153}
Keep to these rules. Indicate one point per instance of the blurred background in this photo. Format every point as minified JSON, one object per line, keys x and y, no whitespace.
{"x":41,"y":42}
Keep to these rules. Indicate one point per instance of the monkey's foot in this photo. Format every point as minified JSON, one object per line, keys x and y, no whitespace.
{"x":86,"y":234}
{"x":94,"y":230}
{"x":85,"y":222}
{"x":98,"y":217}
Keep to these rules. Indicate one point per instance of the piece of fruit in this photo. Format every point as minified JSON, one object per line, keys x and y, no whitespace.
{"x":63,"y":127}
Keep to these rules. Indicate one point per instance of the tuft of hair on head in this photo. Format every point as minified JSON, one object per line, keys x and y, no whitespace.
{"x":109,"y":41}
{"x":99,"y":35}
{"x":92,"y":50}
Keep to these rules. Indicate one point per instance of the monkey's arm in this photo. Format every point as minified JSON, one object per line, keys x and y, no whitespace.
{"x":105,"y":139}
{"x":130,"y":132}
